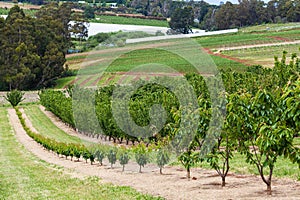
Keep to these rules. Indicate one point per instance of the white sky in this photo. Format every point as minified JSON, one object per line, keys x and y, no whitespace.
{"x":217,"y":2}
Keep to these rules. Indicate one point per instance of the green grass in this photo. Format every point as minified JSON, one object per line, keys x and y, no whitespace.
{"x":284,"y":168}
{"x":129,"y":20}
{"x":297,"y":141}
{"x":270,"y":27}
{"x":223,"y":63}
{"x":235,"y":39}
{"x":147,"y":56}
{"x":246,"y":38}
{"x":45,"y":127}
{"x":263,"y":55}
{"x":135,"y":58}
{"x":95,"y":63}
{"x":23,"y":176}
{"x":62,"y":82}
{"x":4,"y":11}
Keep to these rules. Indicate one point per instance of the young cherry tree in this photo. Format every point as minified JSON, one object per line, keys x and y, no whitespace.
{"x":124,"y":158}
{"x":141,"y":155}
{"x":261,"y":132}
{"x":112,"y":156}
{"x":162,"y":158}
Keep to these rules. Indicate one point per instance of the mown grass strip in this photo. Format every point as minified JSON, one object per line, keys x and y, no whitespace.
{"x":46,"y":128}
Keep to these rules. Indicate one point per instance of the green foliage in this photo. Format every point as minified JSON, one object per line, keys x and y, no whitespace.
{"x":37,"y":56}
{"x":59,"y":104}
{"x":124,"y":157}
{"x":59,"y":148}
{"x":128,"y":20}
{"x":89,"y":12}
{"x":86,"y":155}
{"x":291,"y":106}
{"x":100,"y":155}
{"x":188,"y":160}
{"x":14,"y":97}
{"x":261,"y":123}
{"x":162,"y":158}
{"x":182,"y":19}
{"x":58,"y":185}
{"x":141,"y":154}
{"x":112,"y":156}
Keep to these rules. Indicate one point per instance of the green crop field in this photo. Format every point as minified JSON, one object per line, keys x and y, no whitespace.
{"x":129,"y":21}
{"x":270,"y":27}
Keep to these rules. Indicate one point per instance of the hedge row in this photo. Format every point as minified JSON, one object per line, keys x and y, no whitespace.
{"x":60,"y":148}
{"x":58,"y":104}
{"x":78,"y":150}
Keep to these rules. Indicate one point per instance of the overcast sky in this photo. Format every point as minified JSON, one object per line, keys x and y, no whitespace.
{"x":217,"y":2}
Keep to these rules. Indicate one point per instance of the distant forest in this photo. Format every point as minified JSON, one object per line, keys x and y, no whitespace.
{"x":208,"y":17}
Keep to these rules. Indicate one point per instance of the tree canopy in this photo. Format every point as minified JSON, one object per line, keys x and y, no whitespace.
{"x":32,"y":53}
{"x":182,"y":19}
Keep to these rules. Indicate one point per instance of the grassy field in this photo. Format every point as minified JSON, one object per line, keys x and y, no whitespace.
{"x":23,"y":176}
{"x":62,"y":82}
{"x":270,"y":27}
{"x":263,"y":55}
{"x":246,"y":38}
{"x":129,"y":20}
{"x":223,"y":63}
{"x":4,"y":11}
{"x":45,"y":127}
{"x":237,"y":60}
{"x":129,"y":60}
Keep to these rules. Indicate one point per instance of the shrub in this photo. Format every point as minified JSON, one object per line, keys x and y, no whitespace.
{"x":99,"y":155}
{"x":141,"y":156}
{"x":124,"y":158}
{"x":162,"y":159}
{"x":14,"y":97}
{"x":112,"y":156}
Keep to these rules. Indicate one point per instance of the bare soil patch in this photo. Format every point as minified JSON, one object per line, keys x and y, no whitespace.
{"x":171,"y":185}
{"x":218,"y":53}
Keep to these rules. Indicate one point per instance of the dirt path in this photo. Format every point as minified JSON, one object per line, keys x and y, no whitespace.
{"x":172,"y":185}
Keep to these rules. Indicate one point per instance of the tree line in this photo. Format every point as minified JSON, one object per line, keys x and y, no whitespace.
{"x":33,"y":49}
{"x":206,"y":16}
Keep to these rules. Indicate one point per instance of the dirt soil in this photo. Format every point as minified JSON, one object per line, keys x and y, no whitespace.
{"x":173,"y":184}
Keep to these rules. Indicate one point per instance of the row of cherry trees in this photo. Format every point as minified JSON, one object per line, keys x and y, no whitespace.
{"x":259,"y":112}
